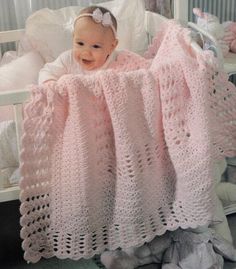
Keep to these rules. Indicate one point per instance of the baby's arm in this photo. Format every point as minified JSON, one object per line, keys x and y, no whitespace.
{"x":54,"y":70}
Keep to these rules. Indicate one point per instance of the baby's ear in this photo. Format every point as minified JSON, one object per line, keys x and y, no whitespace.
{"x":198,"y":12}
{"x":115,"y":43}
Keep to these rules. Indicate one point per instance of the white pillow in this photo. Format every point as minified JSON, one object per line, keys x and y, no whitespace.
{"x":130,"y":15}
{"x":21,"y":71}
{"x":8,"y":145}
{"x":17,"y":75}
{"x":8,"y":57}
{"x":9,"y":160}
{"x":50,"y":31}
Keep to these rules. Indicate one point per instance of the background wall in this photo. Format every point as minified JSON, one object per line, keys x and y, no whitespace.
{"x":224,"y":9}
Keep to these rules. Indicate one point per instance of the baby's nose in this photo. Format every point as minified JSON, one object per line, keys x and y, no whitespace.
{"x":86,"y":51}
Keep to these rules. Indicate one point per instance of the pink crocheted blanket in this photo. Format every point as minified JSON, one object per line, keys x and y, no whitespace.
{"x":114,"y":159}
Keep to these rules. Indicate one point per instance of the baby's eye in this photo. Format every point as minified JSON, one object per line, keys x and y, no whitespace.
{"x":80,"y":43}
{"x":96,"y":46}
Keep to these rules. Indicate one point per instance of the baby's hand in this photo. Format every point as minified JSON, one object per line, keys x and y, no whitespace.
{"x":48,"y":81}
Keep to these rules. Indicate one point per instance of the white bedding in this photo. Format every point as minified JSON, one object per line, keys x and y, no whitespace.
{"x":17,"y":73}
{"x":20,"y":71}
{"x":9,"y":161}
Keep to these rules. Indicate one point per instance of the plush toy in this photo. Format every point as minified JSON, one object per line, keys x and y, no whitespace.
{"x":224,"y":33}
{"x":233,"y":42}
{"x":224,"y":192}
{"x":211,"y":24}
{"x":231,"y":170}
{"x":180,"y":249}
{"x":230,"y":35}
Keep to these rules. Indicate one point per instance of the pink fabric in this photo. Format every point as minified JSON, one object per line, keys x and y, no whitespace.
{"x":230,"y":35}
{"x":232,"y":28}
{"x":120,"y":157}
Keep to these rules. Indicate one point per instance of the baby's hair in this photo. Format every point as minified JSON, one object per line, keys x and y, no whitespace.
{"x":90,"y":10}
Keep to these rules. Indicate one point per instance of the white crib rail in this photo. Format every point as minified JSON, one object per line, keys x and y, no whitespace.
{"x":11,"y":36}
{"x":16,"y":99}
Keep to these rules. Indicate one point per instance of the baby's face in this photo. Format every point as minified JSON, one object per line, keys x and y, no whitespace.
{"x":92,"y":43}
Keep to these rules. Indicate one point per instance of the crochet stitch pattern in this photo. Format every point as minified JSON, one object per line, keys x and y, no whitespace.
{"x":114,"y":159}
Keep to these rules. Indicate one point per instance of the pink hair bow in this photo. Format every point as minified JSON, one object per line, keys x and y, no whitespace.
{"x":99,"y":17}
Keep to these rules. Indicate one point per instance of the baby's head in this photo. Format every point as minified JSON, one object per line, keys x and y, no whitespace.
{"x":94,"y":37}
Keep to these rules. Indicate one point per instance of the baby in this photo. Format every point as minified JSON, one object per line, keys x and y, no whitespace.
{"x":94,"y":43}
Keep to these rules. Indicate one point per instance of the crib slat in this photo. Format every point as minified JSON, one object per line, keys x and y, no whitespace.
{"x":18,"y":120}
{"x":9,"y":194}
{"x":181,"y":10}
{"x":11,"y":36}
{"x":13,"y":97}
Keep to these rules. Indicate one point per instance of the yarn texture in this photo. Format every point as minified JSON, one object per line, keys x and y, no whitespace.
{"x":114,"y":159}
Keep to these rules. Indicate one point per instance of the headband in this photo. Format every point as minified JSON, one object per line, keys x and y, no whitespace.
{"x":99,"y":17}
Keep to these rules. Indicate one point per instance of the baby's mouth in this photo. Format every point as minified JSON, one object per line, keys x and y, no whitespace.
{"x":87,"y":62}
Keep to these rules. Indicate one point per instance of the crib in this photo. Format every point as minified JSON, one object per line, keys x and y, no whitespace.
{"x":16,"y":98}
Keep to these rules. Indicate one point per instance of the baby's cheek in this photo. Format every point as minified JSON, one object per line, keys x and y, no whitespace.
{"x":76,"y":56}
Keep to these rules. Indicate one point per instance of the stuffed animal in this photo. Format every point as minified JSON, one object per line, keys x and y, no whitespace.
{"x":211,"y":24}
{"x":233,"y":42}
{"x":225,"y":194}
{"x":224,"y":33}
{"x":230,"y":35}
{"x":180,"y":249}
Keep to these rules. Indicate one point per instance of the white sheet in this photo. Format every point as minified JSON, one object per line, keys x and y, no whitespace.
{"x":9,"y":161}
{"x":17,"y":74}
